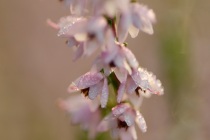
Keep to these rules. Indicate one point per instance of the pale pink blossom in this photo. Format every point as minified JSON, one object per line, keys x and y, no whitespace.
{"x":92,"y":84}
{"x":110,"y":8}
{"x":140,"y":81}
{"x":87,"y":34}
{"x":122,"y":122}
{"x":83,"y":29}
{"x":136,"y":17}
{"x":79,"y":109}
{"x":78,"y":7}
{"x":147,"y":81}
{"x":117,"y":55}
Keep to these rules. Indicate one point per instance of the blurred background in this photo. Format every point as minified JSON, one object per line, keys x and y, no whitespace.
{"x":36,"y":68}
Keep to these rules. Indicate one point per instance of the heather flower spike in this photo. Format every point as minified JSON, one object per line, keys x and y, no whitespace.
{"x":115,"y":84}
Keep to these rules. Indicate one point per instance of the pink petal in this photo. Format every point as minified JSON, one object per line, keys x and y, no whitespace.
{"x":72,"y":42}
{"x":88,"y":79}
{"x":133,"y":31}
{"x":104,"y":94}
{"x":110,"y":40}
{"x":70,"y":103}
{"x":146,"y":26}
{"x":130,"y":58}
{"x":79,"y":52}
{"x":110,"y":54}
{"x":119,"y":109}
{"x":125,"y":135}
{"x":95,"y":90}
{"x":130,"y":85}
{"x":96,"y":26}
{"x":129,"y":119}
{"x":155,"y":86}
{"x":149,"y":82}
{"x":121,"y":74}
{"x":93,"y":104}
{"x":136,"y":76}
{"x":94,"y":121}
{"x":73,"y":88}
{"x":143,"y":18}
{"x":115,"y":133}
{"x":123,"y":26}
{"x":136,"y":100}
{"x":120,"y":92}
{"x":141,"y":122}
{"x":70,"y":26}
{"x":121,"y":62}
{"x":133,"y":133}
{"x":104,"y":125}
{"x":91,"y":46}
{"x":135,"y":8}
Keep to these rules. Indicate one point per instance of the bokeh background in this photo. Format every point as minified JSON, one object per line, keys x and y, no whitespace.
{"x":36,"y":68}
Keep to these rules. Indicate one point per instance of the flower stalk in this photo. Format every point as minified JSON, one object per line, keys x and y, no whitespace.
{"x":113,"y":89}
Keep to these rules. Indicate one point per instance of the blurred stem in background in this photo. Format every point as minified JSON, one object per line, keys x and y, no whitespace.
{"x":175,"y":44}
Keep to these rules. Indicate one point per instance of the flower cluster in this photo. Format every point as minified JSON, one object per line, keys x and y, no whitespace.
{"x":115,"y":83}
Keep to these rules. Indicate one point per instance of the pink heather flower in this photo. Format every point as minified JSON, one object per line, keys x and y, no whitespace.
{"x":122,"y":121}
{"x":147,"y":81}
{"x":119,"y":56}
{"x":78,"y":7}
{"x":140,"y":81}
{"x":82,"y":113}
{"x":97,"y":7}
{"x":110,"y":8}
{"x":86,"y":34}
{"x":82,"y":28}
{"x":92,"y":84}
{"x":136,"y":17}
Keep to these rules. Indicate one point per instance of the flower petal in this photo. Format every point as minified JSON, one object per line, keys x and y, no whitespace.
{"x":72,"y":25}
{"x":121,"y":62}
{"x":95,"y":90}
{"x":121,"y":74}
{"x":70,"y":103}
{"x":91,"y":46}
{"x":143,"y":18}
{"x":141,"y":122}
{"x":123,"y":26}
{"x":72,"y":42}
{"x":96,"y":26}
{"x":85,"y":81}
{"x":104,"y":125}
{"x":73,"y":88}
{"x":79,"y":52}
{"x":133,"y":31}
{"x":93,"y":104}
{"x":136,"y":77}
{"x":133,"y":133}
{"x":125,"y":135}
{"x":121,"y":92}
{"x":104,"y":94}
{"x":128,"y":118}
{"x":130,"y":58}
{"x":119,"y":109}
{"x":130,"y":85}
{"x":146,"y":26}
{"x":136,"y":100}
{"x":148,"y":81}
{"x":109,"y":55}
